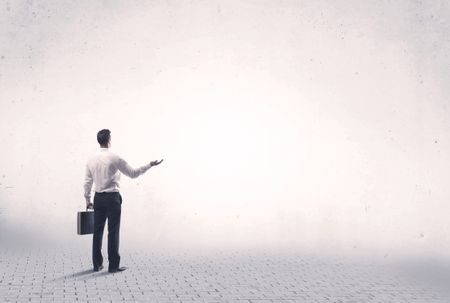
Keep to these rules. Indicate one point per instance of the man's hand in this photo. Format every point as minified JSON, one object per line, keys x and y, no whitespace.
{"x":154,"y":163}
{"x":89,"y":205}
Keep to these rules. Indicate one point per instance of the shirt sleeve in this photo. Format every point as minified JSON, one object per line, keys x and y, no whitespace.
{"x":88,"y":181}
{"x":129,"y":171}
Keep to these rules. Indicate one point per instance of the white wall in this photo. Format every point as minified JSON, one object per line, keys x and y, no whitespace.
{"x":320,"y":124}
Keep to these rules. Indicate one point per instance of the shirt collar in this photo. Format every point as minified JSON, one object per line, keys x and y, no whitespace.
{"x":104,"y":148}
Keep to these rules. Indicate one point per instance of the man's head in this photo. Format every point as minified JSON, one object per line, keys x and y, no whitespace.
{"x":104,"y":138}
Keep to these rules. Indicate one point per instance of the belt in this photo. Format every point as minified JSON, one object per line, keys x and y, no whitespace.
{"x":107,"y":192}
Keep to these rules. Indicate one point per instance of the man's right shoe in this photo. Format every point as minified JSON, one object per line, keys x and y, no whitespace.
{"x":117,"y":269}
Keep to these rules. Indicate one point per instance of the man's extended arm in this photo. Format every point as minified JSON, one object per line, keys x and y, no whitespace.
{"x":129,"y":171}
{"x":88,"y":180}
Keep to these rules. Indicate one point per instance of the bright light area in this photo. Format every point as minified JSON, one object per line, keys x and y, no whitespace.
{"x":286,"y":124}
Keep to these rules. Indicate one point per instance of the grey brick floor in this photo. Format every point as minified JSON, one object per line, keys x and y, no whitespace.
{"x":250,"y":276}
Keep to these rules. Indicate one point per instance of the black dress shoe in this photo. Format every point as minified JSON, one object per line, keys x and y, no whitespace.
{"x":98,"y":268}
{"x":117,"y":269}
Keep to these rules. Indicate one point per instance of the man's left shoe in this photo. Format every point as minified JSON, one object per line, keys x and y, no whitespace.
{"x":98,"y":268}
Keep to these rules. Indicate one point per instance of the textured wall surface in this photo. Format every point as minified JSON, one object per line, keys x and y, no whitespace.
{"x":319,"y":124}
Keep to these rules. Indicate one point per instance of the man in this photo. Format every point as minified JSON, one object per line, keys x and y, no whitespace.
{"x":104,"y":170}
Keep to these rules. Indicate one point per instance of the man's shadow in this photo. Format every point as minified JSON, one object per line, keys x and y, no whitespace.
{"x":87,"y":274}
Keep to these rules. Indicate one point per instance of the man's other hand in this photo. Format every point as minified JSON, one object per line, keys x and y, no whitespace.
{"x":154,"y":163}
{"x":89,"y":206}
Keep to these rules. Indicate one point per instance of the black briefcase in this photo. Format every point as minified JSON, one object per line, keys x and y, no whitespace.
{"x":85,"y":222}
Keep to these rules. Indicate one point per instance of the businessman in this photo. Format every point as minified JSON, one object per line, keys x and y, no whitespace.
{"x":104,"y":170}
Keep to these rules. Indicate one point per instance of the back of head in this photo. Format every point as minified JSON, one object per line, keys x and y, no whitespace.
{"x":103,"y":137}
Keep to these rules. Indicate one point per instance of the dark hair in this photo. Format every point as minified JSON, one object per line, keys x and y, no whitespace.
{"x":103,"y":137}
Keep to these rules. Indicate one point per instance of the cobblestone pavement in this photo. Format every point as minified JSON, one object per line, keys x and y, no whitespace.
{"x":65,"y":275}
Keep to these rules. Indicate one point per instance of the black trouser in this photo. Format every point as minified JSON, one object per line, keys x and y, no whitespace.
{"x":107,"y":205}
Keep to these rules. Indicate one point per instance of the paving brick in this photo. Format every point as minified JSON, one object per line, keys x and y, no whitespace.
{"x":65,"y":275}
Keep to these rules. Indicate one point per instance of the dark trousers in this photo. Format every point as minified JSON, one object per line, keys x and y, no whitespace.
{"x":106,"y":205}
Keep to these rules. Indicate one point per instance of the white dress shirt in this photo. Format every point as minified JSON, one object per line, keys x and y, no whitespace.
{"x":104,"y":169}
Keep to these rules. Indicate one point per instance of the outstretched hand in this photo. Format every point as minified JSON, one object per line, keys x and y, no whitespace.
{"x":154,"y":163}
